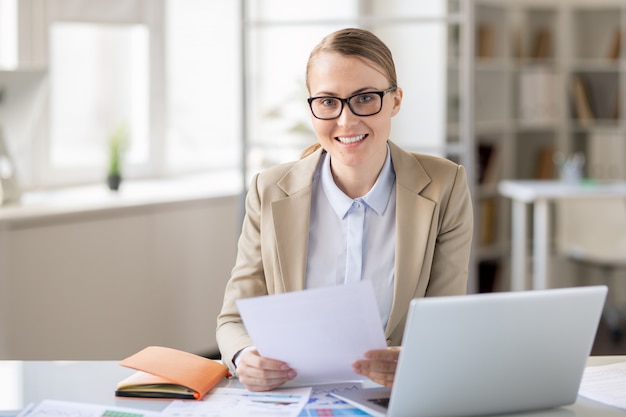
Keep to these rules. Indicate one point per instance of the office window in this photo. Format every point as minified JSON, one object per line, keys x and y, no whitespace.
{"x":8,"y":34}
{"x":169,"y":70}
{"x":203,"y":78}
{"x":98,"y":81}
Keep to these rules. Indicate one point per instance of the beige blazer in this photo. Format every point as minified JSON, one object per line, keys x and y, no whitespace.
{"x":434,"y":221}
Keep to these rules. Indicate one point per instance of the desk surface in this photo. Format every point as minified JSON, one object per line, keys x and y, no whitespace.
{"x":24,"y":382}
{"x":531,"y":190}
{"x":540,"y":193}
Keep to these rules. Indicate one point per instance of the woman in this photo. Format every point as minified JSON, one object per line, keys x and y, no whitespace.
{"x":354,"y":207}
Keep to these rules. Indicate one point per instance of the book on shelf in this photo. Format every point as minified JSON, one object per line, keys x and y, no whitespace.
{"x":487,"y":234}
{"x":581,"y":102}
{"x":605,"y":155}
{"x":537,"y":98}
{"x":169,"y":373}
{"x":488,"y":271}
{"x":484,"y":46}
{"x":615,"y":47}
{"x":542,"y":44}
{"x":488,"y":163}
{"x":545,"y":164}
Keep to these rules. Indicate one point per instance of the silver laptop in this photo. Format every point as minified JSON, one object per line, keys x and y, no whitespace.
{"x":489,"y":354}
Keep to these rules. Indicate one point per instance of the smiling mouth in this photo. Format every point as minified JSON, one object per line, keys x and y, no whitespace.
{"x":351,"y":139}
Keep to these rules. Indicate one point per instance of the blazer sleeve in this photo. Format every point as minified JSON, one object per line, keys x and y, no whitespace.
{"x":247,"y":280}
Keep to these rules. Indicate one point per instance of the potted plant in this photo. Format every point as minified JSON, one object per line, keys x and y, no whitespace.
{"x":117,"y":144}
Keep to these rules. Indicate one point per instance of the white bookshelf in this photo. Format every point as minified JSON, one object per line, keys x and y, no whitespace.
{"x":535,"y":51}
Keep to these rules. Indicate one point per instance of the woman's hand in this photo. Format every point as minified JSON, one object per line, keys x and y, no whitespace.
{"x":262,"y":374}
{"x":379,"y":365}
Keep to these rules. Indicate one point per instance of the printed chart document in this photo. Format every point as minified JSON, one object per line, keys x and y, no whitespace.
{"x":605,"y":384}
{"x":322,"y":403}
{"x":53,"y":408}
{"x":318,"y":332}
{"x":237,"y":402}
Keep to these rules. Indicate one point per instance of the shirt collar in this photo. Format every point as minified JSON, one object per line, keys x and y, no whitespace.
{"x":376,"y":198}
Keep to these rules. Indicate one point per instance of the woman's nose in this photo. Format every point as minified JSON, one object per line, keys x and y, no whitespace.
{"x":346,"y":117}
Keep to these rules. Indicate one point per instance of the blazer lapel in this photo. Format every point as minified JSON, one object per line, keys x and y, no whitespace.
{"x":414,"y":218}
{"x":291,"y":217}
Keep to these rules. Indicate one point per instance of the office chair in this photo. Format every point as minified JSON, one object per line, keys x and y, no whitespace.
{"x":593,"y":233}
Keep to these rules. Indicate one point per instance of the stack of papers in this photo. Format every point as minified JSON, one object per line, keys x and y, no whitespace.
{"x":296,"y":402}
{"x":605,"y":384}
{"x":53,"y":408}
{"x":236,"y":402}
{"x":220,"y":402}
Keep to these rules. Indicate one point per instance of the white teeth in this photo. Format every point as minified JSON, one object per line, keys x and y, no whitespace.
{"x":351,"y":139}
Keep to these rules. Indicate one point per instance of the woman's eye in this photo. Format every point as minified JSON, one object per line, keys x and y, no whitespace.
{"x":329,"y":102}
{"x":364,"y":98}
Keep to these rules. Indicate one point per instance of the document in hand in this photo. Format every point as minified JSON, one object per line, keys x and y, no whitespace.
{"x":169,"y":373}
{"x":318,"y":332}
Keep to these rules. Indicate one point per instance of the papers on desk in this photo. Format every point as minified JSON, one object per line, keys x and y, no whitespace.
{"x":227,"y":402}
{"x":53,"y":408}
{"x":322,"y":403}
{"x":605,"y":384}
{"x":319,"y":332}
{"x":237,"y":402}
{"x":220,"y":402}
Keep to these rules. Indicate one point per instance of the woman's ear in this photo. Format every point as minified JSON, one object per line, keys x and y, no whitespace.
{"x":397,"y":101}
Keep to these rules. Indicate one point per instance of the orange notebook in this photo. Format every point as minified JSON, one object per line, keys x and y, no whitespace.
{"x":169,"y":373}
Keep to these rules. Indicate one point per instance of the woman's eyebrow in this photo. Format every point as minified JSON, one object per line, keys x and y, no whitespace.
{"x":332,"y":94}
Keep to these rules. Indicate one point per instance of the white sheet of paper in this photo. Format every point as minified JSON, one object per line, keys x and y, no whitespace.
{"x":318,"y":332}
{"x":237,"y":402}
{"x":606,"y":384}
{"x":54,"y":408}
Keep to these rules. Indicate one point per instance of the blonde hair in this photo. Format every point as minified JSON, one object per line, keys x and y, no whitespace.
{"x":358,"y":43}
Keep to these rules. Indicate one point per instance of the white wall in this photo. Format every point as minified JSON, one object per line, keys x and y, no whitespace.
{"x":103,"y":285}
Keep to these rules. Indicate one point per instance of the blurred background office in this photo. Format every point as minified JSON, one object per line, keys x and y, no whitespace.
{"x":208,"y":93}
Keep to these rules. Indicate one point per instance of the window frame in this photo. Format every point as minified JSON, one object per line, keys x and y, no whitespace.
{"x":35,"y":18}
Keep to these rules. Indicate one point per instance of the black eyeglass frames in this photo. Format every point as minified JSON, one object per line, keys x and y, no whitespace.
{"x":362,"y":104}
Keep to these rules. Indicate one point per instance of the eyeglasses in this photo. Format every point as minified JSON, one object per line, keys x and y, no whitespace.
{"x":362,"y":104}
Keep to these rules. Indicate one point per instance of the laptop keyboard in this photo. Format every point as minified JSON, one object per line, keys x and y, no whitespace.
{"x":383,"y":402}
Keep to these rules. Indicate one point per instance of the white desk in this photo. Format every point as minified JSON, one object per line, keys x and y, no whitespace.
{"x":541,"y":193}
{"x":24,"y":382}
